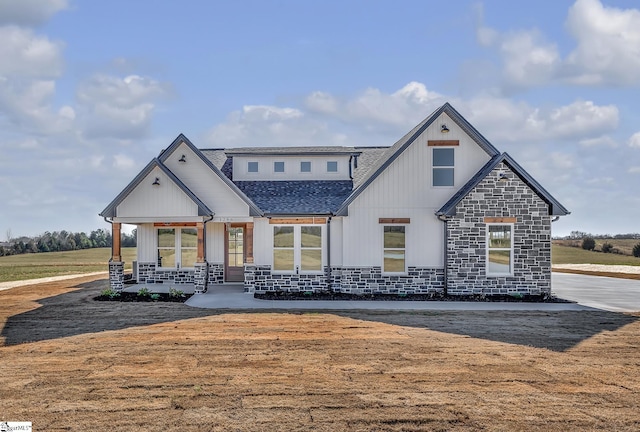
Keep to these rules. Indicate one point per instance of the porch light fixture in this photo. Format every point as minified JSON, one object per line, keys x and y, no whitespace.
{"x":182,"y":159}
{"x":503,"y":178}
{"x":444,"y":128}
{"x":156,"y":182}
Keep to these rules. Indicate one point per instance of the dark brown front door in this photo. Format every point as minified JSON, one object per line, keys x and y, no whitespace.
{"x":235,"y":254}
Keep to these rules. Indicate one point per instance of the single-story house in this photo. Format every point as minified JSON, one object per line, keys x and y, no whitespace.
{"x":439,"y":211}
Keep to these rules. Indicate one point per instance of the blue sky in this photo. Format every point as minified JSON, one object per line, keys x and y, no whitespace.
{"x":91,"y":91}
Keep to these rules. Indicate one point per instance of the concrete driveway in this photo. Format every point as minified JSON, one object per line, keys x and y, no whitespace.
{"x":611,"y":294}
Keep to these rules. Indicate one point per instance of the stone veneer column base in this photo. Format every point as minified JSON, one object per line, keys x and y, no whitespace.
{"x":116,"y":275}
{"x":200,"y":277}
{"x":216,"y":273}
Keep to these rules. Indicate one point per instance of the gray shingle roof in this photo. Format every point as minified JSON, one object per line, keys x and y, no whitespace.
{"x":302,"y":151}
{"x":297,"y":197}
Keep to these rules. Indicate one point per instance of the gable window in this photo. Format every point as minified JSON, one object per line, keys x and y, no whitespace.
{"x":252,"y":167}
{"x":443,"y":166}
{"x":305,"y":166}
{"x":394,"y":249}
{"x":177,"y":247}
{"x":332,"y":166}
{"x":278,"y":167}
{"x":297,"y":249}
{"x":499,"y":250}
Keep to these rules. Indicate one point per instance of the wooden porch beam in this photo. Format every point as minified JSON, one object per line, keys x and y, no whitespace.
{"x":116,"y":250}
{"x":200,"y":255}
{"x":248,"y":243}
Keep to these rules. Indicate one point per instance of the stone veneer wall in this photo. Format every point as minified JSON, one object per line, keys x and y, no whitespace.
{"x":148,"y":273}
{"x":258,"y":278}
{"x":116,"y":275}
{"x":467,"y":239}
{"x":370,"y":280}
{"x":354,"y":280}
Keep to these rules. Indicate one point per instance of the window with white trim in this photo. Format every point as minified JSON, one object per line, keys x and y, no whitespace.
{"x":278,"y":167}
{"x":177,"y":247}
{"x":297,"y":249}
{"x":394,"y":249}
{"x":443,"y":166}
{"x":252,"y":167}
{"x":305,"y":166}
{"x":332,"y":166}
{"x":499,"y":250}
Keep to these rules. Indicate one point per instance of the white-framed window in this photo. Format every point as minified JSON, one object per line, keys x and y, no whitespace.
{"x":394,"y":249}
{"x":332,"y":166}
{"x":499,"y":249}
{"x":443,"y":166}
{"x":278,"y":167}
{"x":305,"y":166}
{"x":177,"y":247}
{"x":252,"y":167}
{"x":297,"y":248}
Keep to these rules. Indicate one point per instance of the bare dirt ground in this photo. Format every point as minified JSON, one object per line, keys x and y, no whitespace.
{"x":70,"y":363}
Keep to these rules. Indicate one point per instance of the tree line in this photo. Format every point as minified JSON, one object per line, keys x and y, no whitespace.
{"x":63,"y":241}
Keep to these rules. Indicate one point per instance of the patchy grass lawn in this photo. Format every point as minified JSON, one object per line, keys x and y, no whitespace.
{"x":70,"y":363}
{"x":39,"y":265}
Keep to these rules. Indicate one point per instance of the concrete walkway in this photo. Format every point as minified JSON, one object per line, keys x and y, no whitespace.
{"x":19,"y":283}
{"x":233,"y":297}
{"x":611,"y":294}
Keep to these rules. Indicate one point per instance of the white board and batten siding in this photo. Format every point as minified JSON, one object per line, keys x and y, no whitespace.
{"x":206,"y":184}
{"x":404,"y":190}
{"x":291,"y":168}
{"x":148,"y":201}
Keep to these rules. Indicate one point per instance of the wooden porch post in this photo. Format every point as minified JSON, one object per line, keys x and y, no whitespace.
{"x":116,"y":255}
{"x":200,"y":227}
{"x":248,"y":242}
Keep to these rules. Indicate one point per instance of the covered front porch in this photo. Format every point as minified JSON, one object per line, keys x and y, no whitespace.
{"x":190,"y":256}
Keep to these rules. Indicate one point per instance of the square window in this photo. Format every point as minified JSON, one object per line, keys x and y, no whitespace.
{"x":278,"y":167}
{"x":332,"y":166}
{"x":252,"y":167}
{"x":305,"y":166}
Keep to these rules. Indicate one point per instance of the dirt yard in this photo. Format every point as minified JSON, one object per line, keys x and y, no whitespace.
{"x":68,"y":363}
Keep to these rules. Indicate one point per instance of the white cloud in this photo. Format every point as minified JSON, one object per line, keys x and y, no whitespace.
{"x":528,"y":60}
{"x":29,"y":12}
{"x":581,"y":118}
{"x":634,"y":170}
{"x":607,"y":49}
{"x":634,"y":140}
{"x":506,"y":120}
{"x":120,"y":161}
{"x":117,"y":107}
{"x":380,"y":118}
{"x":27,"y":55}
{"x":601,"y":141}
{"x":608,"y":44}
{"x":268,"y":126}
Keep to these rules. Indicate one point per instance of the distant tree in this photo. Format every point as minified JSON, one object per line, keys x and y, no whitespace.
{"x":636,"y":250}
{"x":607,"y":248}
{"x":578,"y":235}
{"x":588,"y":243}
